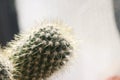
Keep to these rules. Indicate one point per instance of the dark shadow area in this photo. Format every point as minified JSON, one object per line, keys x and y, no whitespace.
{"x":117,"y":12}
{"x":8,"y":21}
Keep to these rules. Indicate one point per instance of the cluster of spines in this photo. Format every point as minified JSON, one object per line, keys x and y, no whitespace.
{"x":43,"y":53}
{"x":4,"y":70}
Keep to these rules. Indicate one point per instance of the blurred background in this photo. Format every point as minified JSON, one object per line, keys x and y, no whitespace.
{"x":9,"y":19}
{"x":117,"y":12}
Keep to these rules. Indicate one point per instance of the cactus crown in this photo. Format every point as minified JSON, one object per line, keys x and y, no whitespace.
{"x":41,"y":54}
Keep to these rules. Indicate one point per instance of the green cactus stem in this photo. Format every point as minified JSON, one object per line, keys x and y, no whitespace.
{"x":42,"y":53}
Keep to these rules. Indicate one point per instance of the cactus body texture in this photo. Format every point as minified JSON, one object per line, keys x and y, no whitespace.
{"x":43,"y":53}
{"x":4,"y":70}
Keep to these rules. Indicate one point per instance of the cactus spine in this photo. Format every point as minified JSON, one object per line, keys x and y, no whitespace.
{"x":4,"y":69}
{"x":43,"y":52}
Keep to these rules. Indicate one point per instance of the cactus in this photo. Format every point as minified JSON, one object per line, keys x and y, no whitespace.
{"x":40,"y":53}
{"x":4,"y":69}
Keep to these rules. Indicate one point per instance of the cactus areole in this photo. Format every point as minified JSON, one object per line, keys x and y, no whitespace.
{"x":43,"y":53}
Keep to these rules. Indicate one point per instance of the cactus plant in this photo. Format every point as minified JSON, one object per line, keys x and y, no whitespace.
{"x":40,"y":53}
